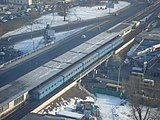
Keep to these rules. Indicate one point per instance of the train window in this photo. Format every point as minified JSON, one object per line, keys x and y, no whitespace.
{"x":43,"y":92}
{"x":5,"y":107}
{"x":18,"y":100}
{"x":52,"y":86}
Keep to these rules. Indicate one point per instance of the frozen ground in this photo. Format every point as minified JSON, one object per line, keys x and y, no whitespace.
{"x":111,"y":109}
{"x":75,"y":14}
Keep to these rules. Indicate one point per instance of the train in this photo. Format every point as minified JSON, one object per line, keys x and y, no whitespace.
{"x":47,"y":78}
{"x":41,"y":91}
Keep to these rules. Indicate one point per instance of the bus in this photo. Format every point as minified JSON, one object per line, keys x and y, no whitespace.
{"x":114,"y":87}
{"x":148,"y":82}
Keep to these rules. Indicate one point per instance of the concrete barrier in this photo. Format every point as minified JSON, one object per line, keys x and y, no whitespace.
{"x":124,"y":46}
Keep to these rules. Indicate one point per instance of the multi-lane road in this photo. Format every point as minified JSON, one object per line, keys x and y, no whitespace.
{"x":10,"y":74}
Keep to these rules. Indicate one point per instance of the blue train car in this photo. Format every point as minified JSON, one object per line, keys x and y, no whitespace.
{"x":117,"y":42}
{"x":72,"y":71}
{"x":45,"y":89}
{"x":90,"y":59}
{"x":105,"y":50}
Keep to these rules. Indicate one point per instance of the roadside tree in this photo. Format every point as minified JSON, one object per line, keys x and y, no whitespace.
{"x":143,"y":98}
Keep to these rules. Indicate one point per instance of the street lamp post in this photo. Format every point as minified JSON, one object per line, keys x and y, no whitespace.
{"x":32,"y":36}
{"x":119,"y":75}
{"x":99,"y":27}
{"x":68,"y":22}
{"x":64,"y":9}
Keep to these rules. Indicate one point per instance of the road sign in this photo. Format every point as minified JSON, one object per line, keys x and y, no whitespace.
{"x":110,"y":5}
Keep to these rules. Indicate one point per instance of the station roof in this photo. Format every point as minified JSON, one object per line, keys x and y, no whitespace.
{"x":120,"y":27}
{"x":32,"y":116}
{"x":70,"y":114}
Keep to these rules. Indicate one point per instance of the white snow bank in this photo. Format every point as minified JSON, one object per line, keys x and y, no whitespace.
{"x":75,"y":14}
{"x":110,"y":108}
{"x":38,"y":42}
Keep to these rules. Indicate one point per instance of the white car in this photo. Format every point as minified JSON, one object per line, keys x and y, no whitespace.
{"x":2,"y":53}
{"x":4,"y":20}
{"x":83,"y":36}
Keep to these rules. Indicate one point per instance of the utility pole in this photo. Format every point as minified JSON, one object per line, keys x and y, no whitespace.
{"x":32,"y":36}
{"x":64,"y":9}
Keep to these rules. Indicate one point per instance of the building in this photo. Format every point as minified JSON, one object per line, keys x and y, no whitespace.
{"x":23,"y":2}
{"x":30,"y":2}
{"x":147,"y":49}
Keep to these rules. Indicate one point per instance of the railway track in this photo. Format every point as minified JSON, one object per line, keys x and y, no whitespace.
{"x":144,"y":13}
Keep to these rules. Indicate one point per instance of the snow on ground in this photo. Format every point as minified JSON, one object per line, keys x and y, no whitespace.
{"x":111,"y":109}
{"x":75,"y":14}
{"x":62,"y":105}
{"x":31,"y":44}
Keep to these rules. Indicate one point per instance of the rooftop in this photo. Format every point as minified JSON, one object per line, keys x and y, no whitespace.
{"x":32,"y":116}
{"x":148,"y":48}
{"x":120,"y":27}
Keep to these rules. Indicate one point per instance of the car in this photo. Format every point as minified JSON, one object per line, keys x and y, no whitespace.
{"x":83,"y":36}
{"x":1,"y":17}
{"x":2,"y":53}
{"x":10,"y":17}
{"x":4,"y":20}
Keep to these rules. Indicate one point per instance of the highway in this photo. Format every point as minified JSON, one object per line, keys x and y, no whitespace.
{"x":72,"y":25}
{"x":15,"y":72}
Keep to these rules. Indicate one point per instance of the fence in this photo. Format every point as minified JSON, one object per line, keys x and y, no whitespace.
{"x":105,"y":91}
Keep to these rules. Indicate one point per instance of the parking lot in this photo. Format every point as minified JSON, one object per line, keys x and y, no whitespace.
{"x":11,"y":19}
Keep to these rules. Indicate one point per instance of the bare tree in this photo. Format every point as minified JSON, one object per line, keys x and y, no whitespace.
{"x":142,"y":98}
